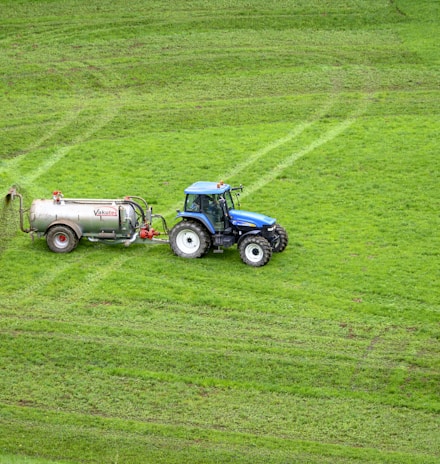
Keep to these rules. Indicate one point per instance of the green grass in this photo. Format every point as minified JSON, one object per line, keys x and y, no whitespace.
{"x":328,"y":113}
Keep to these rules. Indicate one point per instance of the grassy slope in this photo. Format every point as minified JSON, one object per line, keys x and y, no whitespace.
{"x":327,"y":112}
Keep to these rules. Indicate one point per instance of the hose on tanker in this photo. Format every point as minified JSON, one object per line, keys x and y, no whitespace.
{"x":137,"y":207}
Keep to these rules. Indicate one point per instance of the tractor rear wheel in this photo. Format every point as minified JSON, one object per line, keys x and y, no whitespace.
{"x":189,"y":239}
{"x":255,"y":250}
{"x":61,"y":239}
{"x":281,"y":240}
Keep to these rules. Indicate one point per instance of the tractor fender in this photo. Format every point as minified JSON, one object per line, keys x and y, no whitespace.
{"x":75,"y":227}
{"x":200,"y":218}
{"x":251,"y":232}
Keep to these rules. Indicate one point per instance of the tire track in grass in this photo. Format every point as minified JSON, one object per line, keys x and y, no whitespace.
{"x":11,"y":167}
{"x":331,"y":101}
{"x":80,"y":289}
{"x":298,"y":130}
{"x":66,"y":121}
{"x":28,"y":180}
{"x":84,"y":290}
{"x":289,"y":160}
{"x":21,"y":295}
{"x":107,"y":116}
{"x":292,"y":158}
{"x":370,"y":85}
{"x":295,"y":132}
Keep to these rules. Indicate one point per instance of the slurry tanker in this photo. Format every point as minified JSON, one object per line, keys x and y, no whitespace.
{"x":209,"y":220}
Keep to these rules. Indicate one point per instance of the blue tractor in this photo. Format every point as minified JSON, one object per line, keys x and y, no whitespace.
{"x":211,"y":220}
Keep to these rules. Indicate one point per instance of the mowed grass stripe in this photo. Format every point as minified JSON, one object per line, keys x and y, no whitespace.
{"x":263,"y":413}
{"x":212,"y":327}
{"x":105,"y":117}
{"x":278,"y":362}
{"x":129,"y":394}
{"x":116,"y":439}
{"x":68,"y":119}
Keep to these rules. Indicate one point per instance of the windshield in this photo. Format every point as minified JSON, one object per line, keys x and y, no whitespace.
{"x":203,"y":203}
{"x":229,"y":201}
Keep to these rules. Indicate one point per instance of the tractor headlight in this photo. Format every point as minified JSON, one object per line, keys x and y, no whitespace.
{"x":271,"y":229}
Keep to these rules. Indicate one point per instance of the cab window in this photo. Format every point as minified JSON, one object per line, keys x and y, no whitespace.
{"x":192,"y":203}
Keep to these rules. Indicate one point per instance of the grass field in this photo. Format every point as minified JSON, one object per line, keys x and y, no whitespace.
{"x":328,"y":112}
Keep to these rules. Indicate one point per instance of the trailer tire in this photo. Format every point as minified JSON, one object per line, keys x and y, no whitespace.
{"x":281,"y":240}
{"x":189,"y":239}
{"x":61,"y":239}
{"x":255,"y":250}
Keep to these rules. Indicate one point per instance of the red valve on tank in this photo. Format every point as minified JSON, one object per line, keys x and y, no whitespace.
{"x":57,"y":195}
{"x":143,"y":232}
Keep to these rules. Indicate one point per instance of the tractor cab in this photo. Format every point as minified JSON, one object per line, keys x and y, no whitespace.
{"x":209,"y":202}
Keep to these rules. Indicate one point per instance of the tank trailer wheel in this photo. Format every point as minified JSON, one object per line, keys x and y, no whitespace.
{"x":281,"y":240}
{"x":61,"y":239}
{"x":189,"y":239}
{"x":255,"y":250}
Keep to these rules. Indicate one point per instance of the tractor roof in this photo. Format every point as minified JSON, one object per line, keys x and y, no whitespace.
{"x":207,"y":188}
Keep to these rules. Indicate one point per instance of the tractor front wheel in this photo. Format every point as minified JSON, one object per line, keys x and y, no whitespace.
{"x":255,"y":250}
{"x":61,"y":239}
{"x":189,"y":239}
{"x":281,"y":240}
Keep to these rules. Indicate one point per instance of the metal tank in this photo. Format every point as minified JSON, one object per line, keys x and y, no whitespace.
{"x":64,"y":221}
{"x":87,"y":217}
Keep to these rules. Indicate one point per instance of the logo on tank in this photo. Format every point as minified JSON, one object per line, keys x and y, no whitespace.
{"x":107,"y":211}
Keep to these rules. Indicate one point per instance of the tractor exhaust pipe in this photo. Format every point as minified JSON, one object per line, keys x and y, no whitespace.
{"x":10,"y":196}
